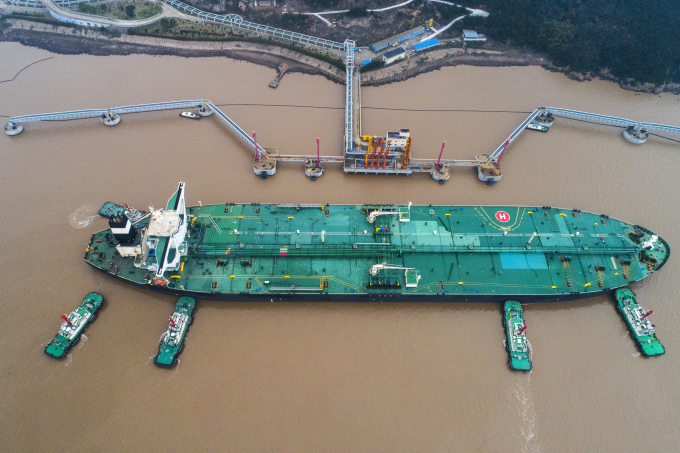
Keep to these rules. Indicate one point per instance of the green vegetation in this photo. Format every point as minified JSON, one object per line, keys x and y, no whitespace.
{"x":376,"y":63}
{"x":291,"y":22}
{"x":180,"y":29}
{"x":634,"y":39}
{"x":125,"y":11}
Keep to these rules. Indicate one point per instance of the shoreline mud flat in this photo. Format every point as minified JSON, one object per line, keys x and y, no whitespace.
{"x":72,"y":41}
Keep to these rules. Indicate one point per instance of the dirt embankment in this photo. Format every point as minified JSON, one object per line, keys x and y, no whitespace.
{"x":70,"y":41}
{"x":66,"y":40}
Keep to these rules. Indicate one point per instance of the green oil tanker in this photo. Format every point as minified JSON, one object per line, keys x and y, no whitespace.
{"x":376,"y":252}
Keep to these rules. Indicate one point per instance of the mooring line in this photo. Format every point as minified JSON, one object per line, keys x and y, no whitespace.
{"x":25,"y":67}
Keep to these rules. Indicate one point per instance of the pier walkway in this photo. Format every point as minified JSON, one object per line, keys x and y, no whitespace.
{"x":94,"y":113}
{"x":111,"y":116}
{"x":596,"y":117}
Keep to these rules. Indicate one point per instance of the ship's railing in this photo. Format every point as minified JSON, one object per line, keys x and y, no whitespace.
{"x":369,"y":249}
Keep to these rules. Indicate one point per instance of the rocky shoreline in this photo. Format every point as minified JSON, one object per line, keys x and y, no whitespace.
{"x":70,"y":41}
{"x":604,"y":74}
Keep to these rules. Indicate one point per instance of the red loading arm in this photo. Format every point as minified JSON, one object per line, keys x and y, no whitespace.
{"x":500,"y":156}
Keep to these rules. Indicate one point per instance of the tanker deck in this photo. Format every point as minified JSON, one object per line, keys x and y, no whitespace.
{"x":377,"y":252}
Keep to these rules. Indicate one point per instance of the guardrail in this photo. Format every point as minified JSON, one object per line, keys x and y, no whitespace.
{"x":235,"y":127}
{"x":92,"y":113}
{"x":237,"y":21}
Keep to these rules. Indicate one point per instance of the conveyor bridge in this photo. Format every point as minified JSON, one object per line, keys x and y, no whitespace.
{"x":604,"y":119}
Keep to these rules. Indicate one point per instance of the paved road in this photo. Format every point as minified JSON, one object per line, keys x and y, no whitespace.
{"x":105,"y":21}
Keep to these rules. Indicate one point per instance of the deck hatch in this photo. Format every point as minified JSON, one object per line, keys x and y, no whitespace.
{"x":523,"y":260}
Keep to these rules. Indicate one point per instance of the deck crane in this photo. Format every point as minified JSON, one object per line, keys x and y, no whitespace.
{"x":404,"y":216}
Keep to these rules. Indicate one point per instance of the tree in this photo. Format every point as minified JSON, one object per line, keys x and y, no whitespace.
{"x":555,"y":33}
{"x":130,"y":11}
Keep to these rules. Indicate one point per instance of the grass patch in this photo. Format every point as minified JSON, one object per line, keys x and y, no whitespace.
{"x":376,"y":63}
{"x":128,"y":10}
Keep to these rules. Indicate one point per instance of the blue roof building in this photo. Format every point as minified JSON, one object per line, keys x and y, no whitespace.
{"x":426,"y":44}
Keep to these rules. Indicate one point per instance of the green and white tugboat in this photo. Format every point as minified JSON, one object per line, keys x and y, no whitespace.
{"x":516,"y":345}
{"x":640,"y":328}
{"x":74,"y":325}
{"x":172,"y":341}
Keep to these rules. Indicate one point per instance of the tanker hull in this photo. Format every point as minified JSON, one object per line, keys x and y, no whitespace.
{"x":385,"y":253}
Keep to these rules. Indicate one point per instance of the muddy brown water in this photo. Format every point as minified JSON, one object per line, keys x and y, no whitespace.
{"x":320,"y":376}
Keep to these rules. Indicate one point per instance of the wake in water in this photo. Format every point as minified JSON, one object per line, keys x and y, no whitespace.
{"x":83,"y":216}
{"x":522,"y":393}
{"x":176,"y":369}
{"x":83,"y":340}
{"x":70,"y":359}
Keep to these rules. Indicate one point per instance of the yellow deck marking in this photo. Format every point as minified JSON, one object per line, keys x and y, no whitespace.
{"x":514,"y":226}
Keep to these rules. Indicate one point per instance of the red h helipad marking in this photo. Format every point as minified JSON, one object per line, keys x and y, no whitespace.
{"x":502,"y":216}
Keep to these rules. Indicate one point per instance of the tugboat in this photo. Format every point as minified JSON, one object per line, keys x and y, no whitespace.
{"x":172,"y":341}
{"x":537,"y":127}
{"x":110,"y":210}
{"x":641,"y":330}
{"x":74,"y":325}
{"x":190,"y":115}
{"x":516,"y":344}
